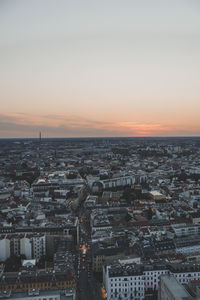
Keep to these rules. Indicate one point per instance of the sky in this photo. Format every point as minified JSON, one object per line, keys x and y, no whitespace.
{"x":74,"y":68}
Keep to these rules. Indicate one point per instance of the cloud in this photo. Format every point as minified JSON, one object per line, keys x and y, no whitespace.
{"x":28,"y":125}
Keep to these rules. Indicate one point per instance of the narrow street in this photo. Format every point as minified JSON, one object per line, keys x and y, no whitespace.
{"x":87,"y":287}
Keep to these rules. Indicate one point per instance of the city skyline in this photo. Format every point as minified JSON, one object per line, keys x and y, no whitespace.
{"x":99,"y":69}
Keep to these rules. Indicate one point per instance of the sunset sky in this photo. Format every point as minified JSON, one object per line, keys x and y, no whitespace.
{"x":80,"y":68}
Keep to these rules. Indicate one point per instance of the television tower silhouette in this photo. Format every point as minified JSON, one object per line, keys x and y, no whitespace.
{"x":39,"y":144}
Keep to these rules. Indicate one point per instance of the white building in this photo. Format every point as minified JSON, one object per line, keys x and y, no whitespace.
{"x":119,"y":181}
{"x":4,"y":248}
{"x":33,"y":246}
{"x":130,"y":281}
{"x":30,"y":245}
{"x":111,"y":182}
{"x":185,"y":230}
{"x":26,"y":247}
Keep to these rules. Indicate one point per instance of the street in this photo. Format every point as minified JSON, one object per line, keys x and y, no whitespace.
{"x":88,"y":288}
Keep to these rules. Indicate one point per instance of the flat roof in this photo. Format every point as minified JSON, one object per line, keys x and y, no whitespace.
{"x":175,"y":287}
{"x":156,"y":193}
{"x":69,"y":296}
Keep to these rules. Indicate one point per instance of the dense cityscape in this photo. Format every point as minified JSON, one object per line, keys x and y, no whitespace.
{"x":99,"y":150}
{"x":104,"y":218}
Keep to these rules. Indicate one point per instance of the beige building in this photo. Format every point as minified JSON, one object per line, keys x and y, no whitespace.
{"x":156,"y":195}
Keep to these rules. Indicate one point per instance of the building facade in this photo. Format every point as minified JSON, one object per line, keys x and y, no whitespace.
{"x":131,"y":281}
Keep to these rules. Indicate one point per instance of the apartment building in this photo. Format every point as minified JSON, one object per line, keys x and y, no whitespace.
{"x":131,"y":281}
{"x":30,"y":245}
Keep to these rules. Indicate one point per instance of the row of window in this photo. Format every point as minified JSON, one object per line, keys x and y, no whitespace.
{"x":126,"y":290}
{"x":126,"y":279}
{"x":46,"y":298}
{"x":187,"y":275}
{"x":34,"y":285}
{"x":131,"y":295}
{"x":127,"y":284}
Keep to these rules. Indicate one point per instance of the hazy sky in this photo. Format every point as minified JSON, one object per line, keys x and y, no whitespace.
{"x":99,"y":68}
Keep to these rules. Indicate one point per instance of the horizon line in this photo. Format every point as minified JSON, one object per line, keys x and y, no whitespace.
{"x":98,"y":137}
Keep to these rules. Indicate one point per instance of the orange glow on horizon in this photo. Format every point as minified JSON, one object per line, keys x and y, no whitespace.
{"x":29,"y":125}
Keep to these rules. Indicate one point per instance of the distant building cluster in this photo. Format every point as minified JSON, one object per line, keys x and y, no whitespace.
{"x":100,"y":218}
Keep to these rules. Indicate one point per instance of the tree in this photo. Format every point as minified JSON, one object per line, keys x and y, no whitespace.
{"x":149,"y":213}
{"x":127,"y":218}
{"x":129,"y":194}
{"x":13,"y":263}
